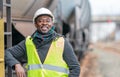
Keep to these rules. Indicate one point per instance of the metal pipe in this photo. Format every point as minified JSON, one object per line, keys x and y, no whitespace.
{"x":1,"y":9}
{"x":5,"y":4}
{"x":23,"y":20}
{"x":9,"y":29}
{"x":9,"y":26}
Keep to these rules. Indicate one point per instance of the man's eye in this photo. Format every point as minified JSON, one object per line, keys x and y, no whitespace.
{"x":48,"y":20}
{"x":40,"y":20}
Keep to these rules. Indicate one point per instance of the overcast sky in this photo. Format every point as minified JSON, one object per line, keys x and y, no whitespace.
{"x":105,"y":7}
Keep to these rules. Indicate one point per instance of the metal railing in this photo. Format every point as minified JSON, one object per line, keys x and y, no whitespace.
{"x":8,"y":32}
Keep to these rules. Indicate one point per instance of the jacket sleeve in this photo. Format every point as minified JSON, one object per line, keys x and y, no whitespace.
{"x":71,"y":60}
{"x":15,"y":54}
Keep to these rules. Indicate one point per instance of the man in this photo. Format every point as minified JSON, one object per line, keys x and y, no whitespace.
{"x":47,"y":53}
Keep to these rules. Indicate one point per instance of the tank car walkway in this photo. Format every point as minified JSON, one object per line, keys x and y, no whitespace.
{"x":103,"y":61}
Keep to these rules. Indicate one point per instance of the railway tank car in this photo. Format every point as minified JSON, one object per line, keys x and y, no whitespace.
{"x":72,"y":19}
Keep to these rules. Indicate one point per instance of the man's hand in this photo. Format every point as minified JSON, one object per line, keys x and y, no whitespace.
{"x":19,"y":70}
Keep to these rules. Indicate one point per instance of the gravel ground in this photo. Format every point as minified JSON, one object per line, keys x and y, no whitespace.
{"x":101,"y":63}
{"x":109,"y":63}
{"x":89,"y":66}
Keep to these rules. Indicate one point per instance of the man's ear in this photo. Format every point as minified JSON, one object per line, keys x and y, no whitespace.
{"x":36,"y":25}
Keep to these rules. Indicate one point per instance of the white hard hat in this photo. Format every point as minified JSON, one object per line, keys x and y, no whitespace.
{"x":42,"y":11}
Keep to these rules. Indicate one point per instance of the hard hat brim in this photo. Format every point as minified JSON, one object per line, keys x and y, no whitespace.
{"x":43,"y":15}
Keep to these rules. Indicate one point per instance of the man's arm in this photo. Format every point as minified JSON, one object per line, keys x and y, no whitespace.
{"x":70,"y":58}
{"x":14,"y":56}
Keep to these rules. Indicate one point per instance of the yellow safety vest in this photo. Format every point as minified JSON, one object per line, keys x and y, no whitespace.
{"x":53,"y":66}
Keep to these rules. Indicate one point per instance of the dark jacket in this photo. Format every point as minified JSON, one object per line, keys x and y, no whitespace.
{"x":17,"y":54}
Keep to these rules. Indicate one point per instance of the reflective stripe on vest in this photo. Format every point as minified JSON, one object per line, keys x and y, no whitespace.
{"x":53,"y":66}
{"x":49,"y":67}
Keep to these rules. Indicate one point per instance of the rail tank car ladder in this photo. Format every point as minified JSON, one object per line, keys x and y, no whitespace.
{"x":8,"y":32}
